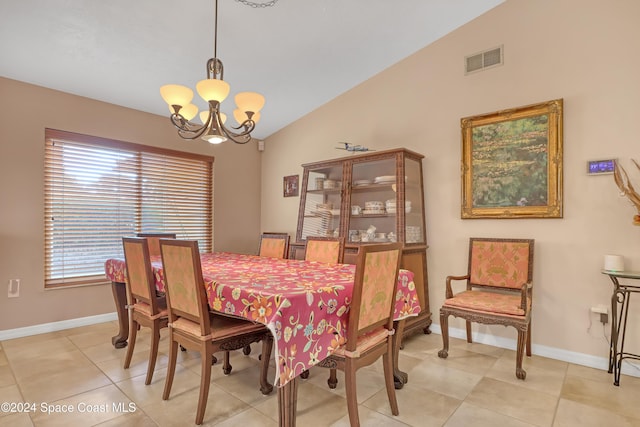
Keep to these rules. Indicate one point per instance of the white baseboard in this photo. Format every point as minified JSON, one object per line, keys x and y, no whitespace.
{"x":56,"y":326}
{"x":541,"y":350}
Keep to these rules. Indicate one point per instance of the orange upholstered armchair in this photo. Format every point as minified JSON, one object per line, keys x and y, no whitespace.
{"x":498,"y":292}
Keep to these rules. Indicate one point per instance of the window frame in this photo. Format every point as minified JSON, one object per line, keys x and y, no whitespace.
{"x":52,"y":201}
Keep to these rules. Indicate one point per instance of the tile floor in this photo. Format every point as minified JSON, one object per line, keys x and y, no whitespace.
{"x":476,"y":386}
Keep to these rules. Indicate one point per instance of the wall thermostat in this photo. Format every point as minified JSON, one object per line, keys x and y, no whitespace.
{"x":600,"y":167}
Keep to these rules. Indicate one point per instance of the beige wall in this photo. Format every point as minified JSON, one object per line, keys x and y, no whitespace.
{"x":584,"y":51}
{"x":27,"y":110}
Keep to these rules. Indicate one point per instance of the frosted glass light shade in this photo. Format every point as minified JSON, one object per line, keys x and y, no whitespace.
{"x":213,"y":89}
{"x":176,"y":95}
{"x":188,"y":111}
{"x":214,"y":139}
{"x":249,"y":101}
{"x":241,"y":116}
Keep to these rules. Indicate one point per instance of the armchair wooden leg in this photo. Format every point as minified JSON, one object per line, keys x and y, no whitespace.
{"x":529,"y":339}
{"x":444,"y":326}
{"x":469,"y":339}
{"x":520,"y":373}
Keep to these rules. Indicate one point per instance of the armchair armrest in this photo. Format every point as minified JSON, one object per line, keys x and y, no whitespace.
{"x":525,"y":293}
{"x":449,"y":292}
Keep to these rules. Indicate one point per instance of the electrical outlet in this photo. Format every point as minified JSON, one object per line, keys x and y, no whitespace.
{"x":14,"y":288}
{"x":604,"y":318}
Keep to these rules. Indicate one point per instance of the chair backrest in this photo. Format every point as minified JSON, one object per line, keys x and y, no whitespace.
{"x":184,"y":284}
{"x":375,"y":285}
{"x":500,"y":263}
{"x":324,"y":249}
{"x":154,"y":241}
{"x":274,"y":245}
{"x":140,"y":285}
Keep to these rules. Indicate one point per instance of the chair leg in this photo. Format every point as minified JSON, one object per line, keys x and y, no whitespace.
{"x":387,"y":362}
{"x":350,"y":388}
{"x":226,"y":366}
{"x":205,"y":379}
{"x":529,"y":339}
{"x":333,"y":378}
{"x":153,"y":352}
{"x":246,"y":350}
{"x":444,"y":327}
{"x":469,"y":340}
{"x":133,"y":333}
{"x":171,"y":367}
{"x":267,"y":346}
{"x":520,"y":373}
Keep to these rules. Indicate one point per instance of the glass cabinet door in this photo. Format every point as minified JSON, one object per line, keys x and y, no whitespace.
{"x":323,"y":201}
{"x":413,"y":202}
{"x":372,"y":210}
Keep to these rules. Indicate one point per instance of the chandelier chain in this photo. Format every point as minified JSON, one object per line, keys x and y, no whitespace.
{"x":256,"y":5}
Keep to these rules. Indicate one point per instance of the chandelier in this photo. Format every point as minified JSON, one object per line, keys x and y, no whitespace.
{"x":214,"y":90}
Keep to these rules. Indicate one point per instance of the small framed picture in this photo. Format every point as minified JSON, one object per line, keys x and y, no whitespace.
{"x":290,"y":186}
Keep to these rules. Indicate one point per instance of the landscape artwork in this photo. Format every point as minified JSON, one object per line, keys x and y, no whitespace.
{"x":512,"y":163}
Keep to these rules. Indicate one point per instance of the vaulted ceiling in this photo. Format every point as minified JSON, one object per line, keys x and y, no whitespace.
{"x":298,"y":53}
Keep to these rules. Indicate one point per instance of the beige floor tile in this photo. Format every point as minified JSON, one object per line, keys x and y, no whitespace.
{"x":421,"y":345}
{"x":588,"y":373}
{"x":85,"y":409}
{"x":105,"y":351}
{"x":134,"y":419}
{"x":572,"y":413}
{"x":9,"y":394}
{"x":87,"y":336}
{"x":485,"y":349}
{"x":3,"y":358}
{"x":180,"y":409}
{"x":471,"y":415}
{"x":469,"y":361}
{"x":113,"y":368}
{"x":622,"y":400}
{"x":245,"y":384}
{"x":316,"y":406}
{"x":16,"y":420}
{"x":518,"y":402}
{"x":248,"y":418}
{"x":46,"y":364}
{"x":435,"y":374}
{"x":147,"y":395}
{"x":32,"y":348}
{"x":369,"y":381}
{"x":62,"y":384}
{"x":543,"y":374}
{"x":418,"y":407}
{"x":6,"y":376}
{"x":371,"y":418}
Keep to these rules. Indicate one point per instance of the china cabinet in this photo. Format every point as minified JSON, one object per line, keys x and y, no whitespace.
{"x":366,"y":198}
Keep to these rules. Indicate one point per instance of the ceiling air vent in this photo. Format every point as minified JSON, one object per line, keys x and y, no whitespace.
{"x":483,"y":60}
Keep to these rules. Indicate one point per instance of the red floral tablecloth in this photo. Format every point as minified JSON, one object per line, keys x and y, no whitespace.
{"x":303,"y":303}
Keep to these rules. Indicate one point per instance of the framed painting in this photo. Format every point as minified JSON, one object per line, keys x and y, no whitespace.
{"x":512,"y":163}
{"x":290,"y":186}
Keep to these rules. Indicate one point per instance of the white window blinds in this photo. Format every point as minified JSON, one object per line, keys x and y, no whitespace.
{"x":99,"y":190}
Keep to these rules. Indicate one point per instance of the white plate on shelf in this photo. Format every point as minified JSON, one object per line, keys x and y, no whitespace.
{"x":385,"y":179}
{"x":360,"y":182}
{"x":372,"y":211}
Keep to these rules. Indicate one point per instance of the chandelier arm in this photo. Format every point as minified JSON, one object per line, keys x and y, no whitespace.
{"x":239,"y":137}
{"x":186,"y":129}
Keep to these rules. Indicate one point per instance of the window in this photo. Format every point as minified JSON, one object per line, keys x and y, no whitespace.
{"x":99,"y":190}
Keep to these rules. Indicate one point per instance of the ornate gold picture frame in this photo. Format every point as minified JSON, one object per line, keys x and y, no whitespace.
{"x":290,"y":186}
{"x":512,"y":163}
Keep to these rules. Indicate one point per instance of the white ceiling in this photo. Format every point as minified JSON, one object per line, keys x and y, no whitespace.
{"x":299,"y":53}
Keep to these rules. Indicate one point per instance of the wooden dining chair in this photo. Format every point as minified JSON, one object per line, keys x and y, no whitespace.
{"x":145,"y":307}
{"x":192,"y":325}
{"x":498,"y":292}
{"x":324,"y":249}
{"x":370,"y":327}
{"x":154,"y":241}
{"x":274,"y":245}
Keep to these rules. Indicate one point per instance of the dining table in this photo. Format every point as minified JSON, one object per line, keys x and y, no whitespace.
{"x":305,"y":305}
